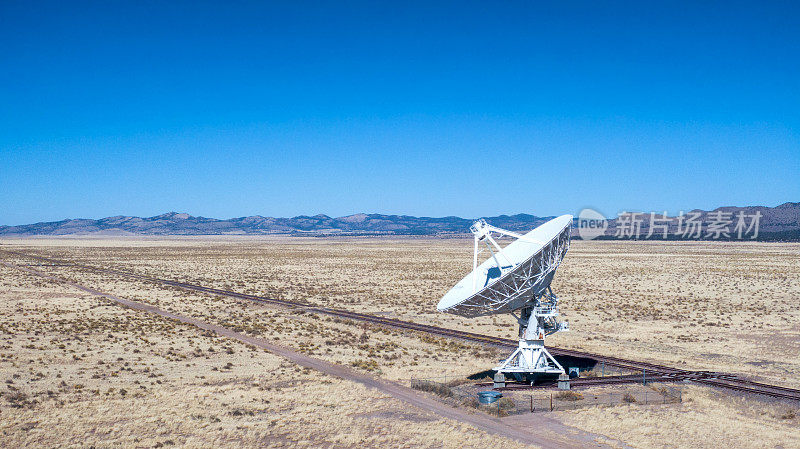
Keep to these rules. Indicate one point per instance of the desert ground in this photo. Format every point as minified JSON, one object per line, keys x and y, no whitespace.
{"x":105,"y":375}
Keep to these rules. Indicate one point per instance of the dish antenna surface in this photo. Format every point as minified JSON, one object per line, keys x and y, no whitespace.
{"x":516,"y":279}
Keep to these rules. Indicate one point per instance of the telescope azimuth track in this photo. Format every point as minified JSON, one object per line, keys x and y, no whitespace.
{"x":719,"y":380}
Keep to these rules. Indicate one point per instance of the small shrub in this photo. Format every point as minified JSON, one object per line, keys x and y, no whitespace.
{"x":367,"y":365}
{"x":568,"y":395}
{"x":435,"y":388}
{"x":505,"y":403}
{"x":18,"y":399}
{"x":628,"y":398}
{"x":457,"y":382}
{"x":471,"y":402}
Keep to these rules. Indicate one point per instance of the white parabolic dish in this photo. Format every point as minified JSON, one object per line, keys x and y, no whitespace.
{"x":528,"y":266}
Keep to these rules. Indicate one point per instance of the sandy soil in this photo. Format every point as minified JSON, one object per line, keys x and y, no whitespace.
{"x":718,"y":306}
{"x":548,"y":434}
{"x":107,"y":376}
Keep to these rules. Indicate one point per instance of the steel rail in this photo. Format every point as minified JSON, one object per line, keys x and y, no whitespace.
{"x":721,"y":380}
{"x":589,"y":381}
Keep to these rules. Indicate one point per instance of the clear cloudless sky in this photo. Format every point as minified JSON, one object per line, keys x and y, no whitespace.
{"x":227,"y":109}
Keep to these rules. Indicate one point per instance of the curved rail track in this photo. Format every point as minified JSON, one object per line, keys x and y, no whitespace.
{"x":657,"y":373}
{"x":591,"y":381}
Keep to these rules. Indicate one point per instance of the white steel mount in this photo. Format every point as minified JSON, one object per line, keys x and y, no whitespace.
{"x":537,"y":318}
{"x":483,"y":233}
{"x":535,"y":323}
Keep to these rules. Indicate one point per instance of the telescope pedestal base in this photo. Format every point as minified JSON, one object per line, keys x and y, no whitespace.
{"x":531,"y":357}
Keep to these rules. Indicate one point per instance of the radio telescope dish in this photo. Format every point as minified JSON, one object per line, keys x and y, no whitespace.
{"x":513,"y":275}
{"x":516,"y":279}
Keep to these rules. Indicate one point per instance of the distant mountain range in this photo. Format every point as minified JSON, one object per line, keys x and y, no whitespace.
{"x":775,"y":223}
{"x":780,"y":223}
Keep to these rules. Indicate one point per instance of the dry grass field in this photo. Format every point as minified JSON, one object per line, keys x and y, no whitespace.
{"x":67,"y":357}
{"x":80,"y":371}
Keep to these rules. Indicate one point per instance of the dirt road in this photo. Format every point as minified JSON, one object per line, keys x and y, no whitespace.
{"x":533,"y":429}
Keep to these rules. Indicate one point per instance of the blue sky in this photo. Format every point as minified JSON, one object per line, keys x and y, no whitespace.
{"x":228,"y":109}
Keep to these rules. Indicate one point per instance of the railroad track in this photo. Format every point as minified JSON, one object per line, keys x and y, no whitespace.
{"x":695,"y":376}
{"x":749,"y":386}
{"x":589,"y":381}
{"x":656,"y":371}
